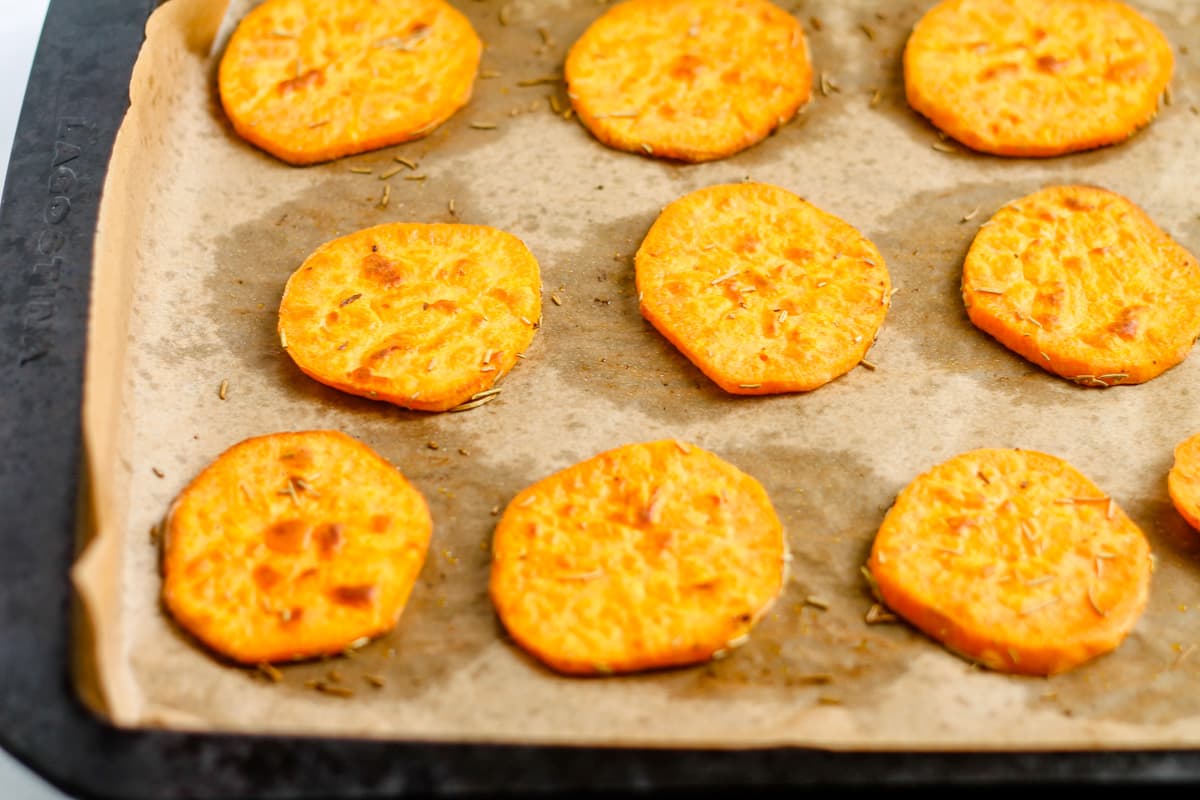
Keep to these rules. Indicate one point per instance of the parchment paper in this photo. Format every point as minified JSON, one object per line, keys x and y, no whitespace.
{"x":199,"y":231}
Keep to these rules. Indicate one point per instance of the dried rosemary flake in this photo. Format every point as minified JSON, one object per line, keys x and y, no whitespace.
{"x":486,"y":393}
{"x":870,"y":365}
{"x":618,"y":115}
{"x":570,"y":112}
{"x":405,"y":162}
{"x":543,"y":80}
{"x":942,"y":147}
{"x":245,"y":491}
{"x":1040,"y":581}
{"x":450,"y":206}
{"x":816,"y":602}
{"x":971,"y":215}
{"x":871,"y":582}
{"x":1066,"y":501}
{"x":320,"y":124}
{"x":878,"y":615}
{"x":1036,"y":607}
{"x":556,"y":299}
{"x":158,"y":473}
{"x":404,"y":44}
{"x":386,"y":196}
{"x":505,"y":13}
{"x":749,"y":385}
{"x":414,"y":177}
{"x":725,"y":277}
{"x":827,"y":85}
{"x":336,"y":691}
{"x":270,"y":671}
{"x":470,"y":404}
{"x":350,"y":300}
{"x":826,"y":700}
{"x":283,"y":34}
{"x":483,"y":126}
{"x":488,"y":74}
{"x":1187,"y":651}
{"x":719,"y":655}
{"x":283,"y":339}
{"x":683,"y":448}
{"x":876,"y":96}
{"x":816,"y":23}
{"x":374,"y":680}
{"x":554,"y":106}
{"x":1168,"y":97}
{"x":1045,"y":356}
{"x":816,"y":678}
{"x":361,"y":170}
{"x":1095,"y":606}
{"x":396,"y":170}
{"x":866,"y":29}
{"x":334,"y":676}
{"x":603,"y":669}
{"x":986,"y":290}
{"x":738,"y":641}
{"x":647,"y":148}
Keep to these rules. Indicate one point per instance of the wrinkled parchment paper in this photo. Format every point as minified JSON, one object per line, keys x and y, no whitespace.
{"x":199,"y":231}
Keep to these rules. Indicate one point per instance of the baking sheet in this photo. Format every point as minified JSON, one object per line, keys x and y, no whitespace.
{"x":199,"y":233}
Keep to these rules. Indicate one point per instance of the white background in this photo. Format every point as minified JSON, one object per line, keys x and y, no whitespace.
{"x":20,"y":26}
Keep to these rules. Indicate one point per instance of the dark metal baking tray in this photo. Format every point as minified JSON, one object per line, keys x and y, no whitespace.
{"x":76,"y":98}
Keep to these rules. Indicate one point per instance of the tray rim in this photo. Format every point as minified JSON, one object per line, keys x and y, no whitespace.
{"x":41,"y":718}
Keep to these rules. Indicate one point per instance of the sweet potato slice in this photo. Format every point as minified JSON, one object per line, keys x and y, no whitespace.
{"x":1082,"y":283}
{"x":293,"y":545}
{"x":1013,"y":559}
{"x":650,"y":555}
{"x":693,"y":80}
{"x":762,"y":291}
{"x":315,"y":80}
{"x":1183,"y":481}
{"x":1036,"y":77}
{"x":423,"y":316}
